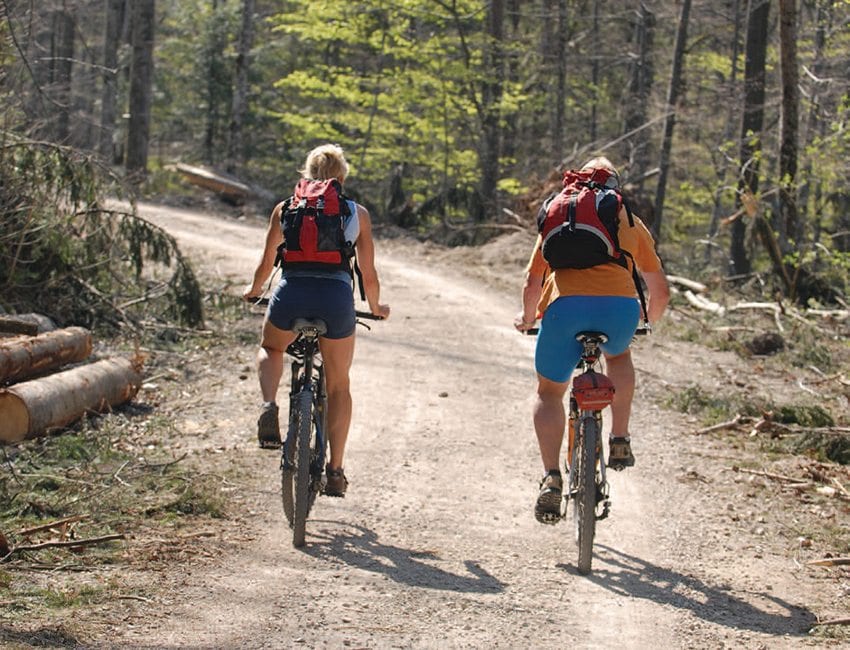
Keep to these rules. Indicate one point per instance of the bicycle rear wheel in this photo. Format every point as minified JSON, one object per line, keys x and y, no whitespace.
{"x":583,"y":491}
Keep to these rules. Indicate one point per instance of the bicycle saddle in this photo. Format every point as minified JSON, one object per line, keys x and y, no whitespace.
{"x":586,"y":336}
{"x":317,"y":325}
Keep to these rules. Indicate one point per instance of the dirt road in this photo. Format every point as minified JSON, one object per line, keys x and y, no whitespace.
{"x":435,"y":544}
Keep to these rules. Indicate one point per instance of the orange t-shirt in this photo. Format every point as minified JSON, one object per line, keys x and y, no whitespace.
{"x":604,"y":280}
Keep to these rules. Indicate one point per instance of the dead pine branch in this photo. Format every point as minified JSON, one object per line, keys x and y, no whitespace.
{"x":730,"y":424}
{"x":693,"y":285}
{"x":75,"y":543}
{"x":831,"y":561}
{"x":63,"y":523}
{"x":775,"y":477}
{"x":704,"y":303}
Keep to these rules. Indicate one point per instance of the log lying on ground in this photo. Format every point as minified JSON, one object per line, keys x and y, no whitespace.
{"x":24,"y":357}
{"x":26,"y":324}
{"x":229,"y":188}
{"x":33,"y":408}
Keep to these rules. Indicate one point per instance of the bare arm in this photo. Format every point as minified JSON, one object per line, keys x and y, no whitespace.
{"x":366,"y":260}
{"x":532,"y":289}
{"x":274,"y":238}
{"x":659,"y":294}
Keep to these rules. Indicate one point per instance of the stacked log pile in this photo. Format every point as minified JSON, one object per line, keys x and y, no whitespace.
{"x":40,"y":394}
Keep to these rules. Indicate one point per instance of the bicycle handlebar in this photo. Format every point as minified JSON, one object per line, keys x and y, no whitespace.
{"x":263,"y":302}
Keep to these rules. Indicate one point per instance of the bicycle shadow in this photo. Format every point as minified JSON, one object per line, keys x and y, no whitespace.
{"x":630,"y":576}
{"x":361,"y":549}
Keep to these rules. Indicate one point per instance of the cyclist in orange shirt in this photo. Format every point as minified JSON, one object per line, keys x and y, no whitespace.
{"x":601,"y":298}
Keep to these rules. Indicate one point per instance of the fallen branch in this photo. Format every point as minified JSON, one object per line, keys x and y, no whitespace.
{"x":53,"y":524}
{"x":69,"y":544}
{"x":704,"y":303}
{"x":722,"y":425}
{"x":775,"y":477}
{"x":698,"y":287}
{"x":831,"y":561}
{"x":835,"y":621}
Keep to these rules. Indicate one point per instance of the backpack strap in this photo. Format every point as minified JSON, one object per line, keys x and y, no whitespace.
{"x":636,"y":279}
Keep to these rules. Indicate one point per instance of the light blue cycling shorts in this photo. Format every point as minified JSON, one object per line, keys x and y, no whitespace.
{"x":558,"y":352}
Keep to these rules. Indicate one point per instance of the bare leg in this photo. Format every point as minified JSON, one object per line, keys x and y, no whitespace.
{"x":270,"y":359}
{"x":621,"y":372}
{"x":550,"y":420}
{"x":337,"y":355}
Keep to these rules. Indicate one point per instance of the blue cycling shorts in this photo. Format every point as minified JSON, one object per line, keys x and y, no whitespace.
{"x":329,"y":299}
{"x":558,"y":352}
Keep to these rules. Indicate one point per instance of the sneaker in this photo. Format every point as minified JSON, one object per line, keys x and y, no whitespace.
{"x":620,"y":453}
{"x":336,"y":483}
{"x":547,"y":508}
{"x":268,"y":427}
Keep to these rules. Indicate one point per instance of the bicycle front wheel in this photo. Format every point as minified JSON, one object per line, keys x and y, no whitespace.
{"x":583,"y":490}
{"x":303,"y":499}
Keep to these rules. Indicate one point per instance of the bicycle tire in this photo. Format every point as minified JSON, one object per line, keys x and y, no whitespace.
{"x":288,"y":465}
{"x":584,"y":491}
{"x":304,"y":405}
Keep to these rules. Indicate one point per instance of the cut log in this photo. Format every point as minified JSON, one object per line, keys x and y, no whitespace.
{"x":33,"y":408}
{"x":24,"y":357}
{"x":26,"y":324}
{"x":228,"y":188}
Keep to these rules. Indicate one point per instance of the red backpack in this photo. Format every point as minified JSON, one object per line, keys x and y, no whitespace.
{"x":580,"y":224}
{"x":313,"y":225}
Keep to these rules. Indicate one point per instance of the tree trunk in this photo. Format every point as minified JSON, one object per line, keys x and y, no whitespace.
{"x":24,"y":357}
{"x":235,"y":145}
{"x":63,"y":68}
{"x":491,"y":98}
{"x":670,"y":121}
{"x":751,"y":124}
{"x":594,"y":74}
{"x":723,"y":165}
{"x":35,"y":407}
{"x":790,"y":228}
{"x":141,"y":89}
{"x":639,"y":91}
{"x":109,"y":94}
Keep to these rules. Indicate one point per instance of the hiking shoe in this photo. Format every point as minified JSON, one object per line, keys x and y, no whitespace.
{"x":268,"y":427}
{"x":336,"y":483}
{"x":547,"y":508}
{"x":620,"y":453}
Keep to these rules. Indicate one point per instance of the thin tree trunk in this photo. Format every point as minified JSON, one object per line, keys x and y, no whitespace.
{"x":670,"y":121}
{"x":790,"y":227}
{"x":722,"y":167}
{"x":235,"y":144}
{"x":141,"y":89}
{"x":63,"y":69}
{"x":491,"y":98}
{"x":594,"y":73}
{"x":109,"y":95}
{"x":751,"y":124}
{"x":639,"y":90}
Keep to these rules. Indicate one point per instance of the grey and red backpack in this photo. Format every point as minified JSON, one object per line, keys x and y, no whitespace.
{"x":579,"y":225}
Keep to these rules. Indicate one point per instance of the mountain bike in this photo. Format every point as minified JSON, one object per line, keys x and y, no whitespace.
{"x":587,"y":486}
{"x":304,"y":450}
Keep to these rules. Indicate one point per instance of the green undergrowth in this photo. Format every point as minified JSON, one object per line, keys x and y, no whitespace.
{"x":792,"y":429}
{"x":104,"y":477}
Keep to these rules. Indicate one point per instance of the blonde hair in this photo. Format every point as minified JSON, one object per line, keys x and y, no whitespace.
{"x":326,"y":161}
{"x":601,"y":162}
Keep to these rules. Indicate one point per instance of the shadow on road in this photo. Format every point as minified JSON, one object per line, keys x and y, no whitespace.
{"x":360,"y":548}
{"x":627,"y":575}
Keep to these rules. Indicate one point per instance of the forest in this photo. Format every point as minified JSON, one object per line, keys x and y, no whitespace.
{"x":728,"y":121}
